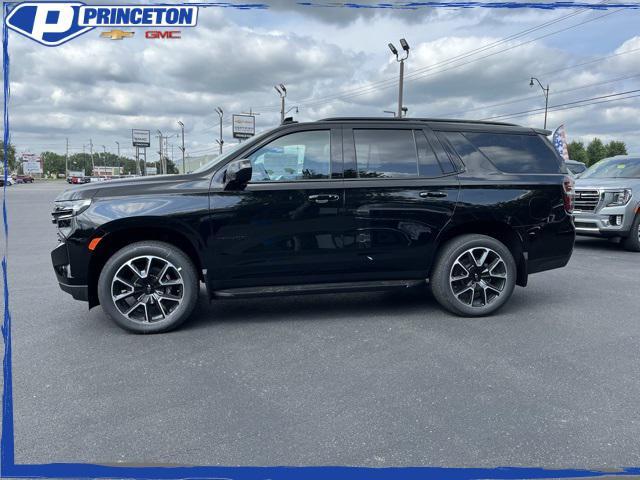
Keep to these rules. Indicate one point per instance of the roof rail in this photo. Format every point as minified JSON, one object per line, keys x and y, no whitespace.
{"x":441,"y":120}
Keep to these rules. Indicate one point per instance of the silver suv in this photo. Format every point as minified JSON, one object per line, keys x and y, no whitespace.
{"x":607,"y":200}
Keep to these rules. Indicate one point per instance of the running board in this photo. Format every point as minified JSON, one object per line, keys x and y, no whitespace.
{"x":342,"y":287}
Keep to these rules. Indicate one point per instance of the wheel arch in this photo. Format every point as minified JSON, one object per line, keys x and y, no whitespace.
{"x":118,"y":234}
{"x":502,"y":232}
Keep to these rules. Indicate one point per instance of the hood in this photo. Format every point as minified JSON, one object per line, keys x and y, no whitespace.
{"x":609,"y":183}
{"x":120,"y":186}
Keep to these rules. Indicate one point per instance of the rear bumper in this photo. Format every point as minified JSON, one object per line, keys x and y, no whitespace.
{"x":64,"y":274}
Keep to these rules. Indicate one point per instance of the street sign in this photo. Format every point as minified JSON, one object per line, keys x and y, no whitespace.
{"x":244,"y":126}
{"x":141,"y":138}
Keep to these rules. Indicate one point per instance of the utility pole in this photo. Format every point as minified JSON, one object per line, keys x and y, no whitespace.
{"x":66,"y":161}
{"x":182,"y":147}
{"x":220,"y":142}
{"x":546,"y":98}
{"x":405,"y":47}
{"x":93,"y":166}
{"x":160,"y":152}
{"x":118,"y":164}
{"x":282,"y":91}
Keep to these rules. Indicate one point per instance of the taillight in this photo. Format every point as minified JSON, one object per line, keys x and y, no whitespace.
{"x":568,"y":193}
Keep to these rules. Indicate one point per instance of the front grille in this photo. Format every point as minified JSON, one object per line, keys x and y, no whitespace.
{"x":61,"y":216}
{"x":586,"y":200}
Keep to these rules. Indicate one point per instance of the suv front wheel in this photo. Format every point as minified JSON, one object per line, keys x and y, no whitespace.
{"x":474,"y":275}
{"x":148,"y":287}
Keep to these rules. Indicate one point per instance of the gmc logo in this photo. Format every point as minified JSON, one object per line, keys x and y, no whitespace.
{"x":172,"y":34}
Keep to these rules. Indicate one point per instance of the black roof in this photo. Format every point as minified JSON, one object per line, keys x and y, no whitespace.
{"x":410,"y":119}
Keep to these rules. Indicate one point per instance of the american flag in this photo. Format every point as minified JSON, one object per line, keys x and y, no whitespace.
{"x":560,"y":142}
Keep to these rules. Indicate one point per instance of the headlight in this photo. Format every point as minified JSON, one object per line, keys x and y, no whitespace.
{"x":65,"y":209}
{"x":619,"y":198}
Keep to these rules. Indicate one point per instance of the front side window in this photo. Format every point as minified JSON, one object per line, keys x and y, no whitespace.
{"x":385,"y":153}
{"x":292,"y":157}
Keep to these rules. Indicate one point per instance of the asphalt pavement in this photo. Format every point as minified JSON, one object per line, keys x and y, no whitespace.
{"x":376,"y":379}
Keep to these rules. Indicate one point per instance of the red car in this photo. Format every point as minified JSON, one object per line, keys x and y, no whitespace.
{"x":24,"y":179}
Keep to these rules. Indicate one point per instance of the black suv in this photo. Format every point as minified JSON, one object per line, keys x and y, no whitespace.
{"x":337,"y":205}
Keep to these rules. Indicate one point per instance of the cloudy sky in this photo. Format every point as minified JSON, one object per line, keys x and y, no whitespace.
{"x":464,"y":63}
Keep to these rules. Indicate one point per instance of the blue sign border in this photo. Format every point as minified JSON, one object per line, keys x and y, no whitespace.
{"x":9,"y":469}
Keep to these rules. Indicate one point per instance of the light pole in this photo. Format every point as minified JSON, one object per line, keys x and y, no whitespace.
{"x":220,"y":142}
{"x":405,"y":47}
{"x":390,"y":111}
{"x":546,"y":97}
{"x":182,"y":147}
{"x":282,"y":91}
{"x":295,"y":106}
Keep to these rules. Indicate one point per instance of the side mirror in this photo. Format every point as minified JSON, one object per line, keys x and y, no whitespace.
{"x":238,"y":174}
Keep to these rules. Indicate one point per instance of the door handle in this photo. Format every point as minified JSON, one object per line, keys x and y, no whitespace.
{"x":433,"y":194}
{"x":324,"y":198}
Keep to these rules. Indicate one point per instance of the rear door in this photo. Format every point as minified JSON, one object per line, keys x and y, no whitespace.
{"x":401,"y":189}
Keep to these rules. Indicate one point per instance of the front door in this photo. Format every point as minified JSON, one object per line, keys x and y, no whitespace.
{"x":286,"y":227}
{"x":401,"y":189}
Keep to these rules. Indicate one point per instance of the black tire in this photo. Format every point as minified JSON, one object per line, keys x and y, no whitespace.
{"x":488,"y":292}
{"x":632,"y":242}
{"x":172,"y":300}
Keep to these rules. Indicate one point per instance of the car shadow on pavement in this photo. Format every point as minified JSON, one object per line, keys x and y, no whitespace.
{"x":599,"y":244}
{"x":313,"y":307}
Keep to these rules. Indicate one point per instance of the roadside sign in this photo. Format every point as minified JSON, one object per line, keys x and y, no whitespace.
{"x":152,"y":170}
{"x":31,"y":163}
{"x":140,"y":138}
{"x":244,"y":126}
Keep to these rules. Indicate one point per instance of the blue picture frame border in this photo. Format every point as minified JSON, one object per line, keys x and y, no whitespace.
{"x":9,"y":469}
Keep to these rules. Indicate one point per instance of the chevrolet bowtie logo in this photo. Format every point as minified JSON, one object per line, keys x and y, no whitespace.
{"x":116,"y":34}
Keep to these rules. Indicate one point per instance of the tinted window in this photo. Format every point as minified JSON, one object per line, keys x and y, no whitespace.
{"x":465,"y":150}
{"x":429,"y":166}
{"x":297,"y":156}
{"x":513,"y":153}
{"x":385,"y":153}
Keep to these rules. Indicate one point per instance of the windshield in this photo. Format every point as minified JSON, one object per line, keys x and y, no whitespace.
{"x":614,"y":168}
{"x":229,"y":153}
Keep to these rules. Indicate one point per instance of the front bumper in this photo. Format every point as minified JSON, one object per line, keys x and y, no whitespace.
{"x":64,"y":275}
{"x":605,"y":222}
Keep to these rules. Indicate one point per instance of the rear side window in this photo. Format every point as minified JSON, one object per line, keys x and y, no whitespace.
{"x":429,"y":165}
{"x":395,"y":154}
{"x":516,"y":153}
{"x":385,"y":153}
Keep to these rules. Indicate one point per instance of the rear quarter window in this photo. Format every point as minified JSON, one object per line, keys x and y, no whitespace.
{"x":516,"y":153}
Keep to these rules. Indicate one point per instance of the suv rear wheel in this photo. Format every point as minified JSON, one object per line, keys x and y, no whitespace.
{"x":474,"y":275}
{"x":148,"y":287}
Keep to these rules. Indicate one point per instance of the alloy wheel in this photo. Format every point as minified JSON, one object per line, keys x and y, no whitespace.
{"x":147,"y":289}
{"x":478,"y":277}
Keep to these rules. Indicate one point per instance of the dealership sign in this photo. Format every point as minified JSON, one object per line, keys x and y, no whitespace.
{"x":54,"y":23}
{"x":141,"y":138}
{"x":244,"y":126}
{"x":31,"y":163}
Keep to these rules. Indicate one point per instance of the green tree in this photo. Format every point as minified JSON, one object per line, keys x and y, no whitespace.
{"x":577,"y":152}
{"x":596,"y":151}
{"x":615,"y":147}
{"x":11,"y":155}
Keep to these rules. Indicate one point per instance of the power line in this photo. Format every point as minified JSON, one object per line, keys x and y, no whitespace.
{"x":532,"y":97}
{"x":568,"y":104}
{"x":414,"y":76}
{"x":455,"y":58}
